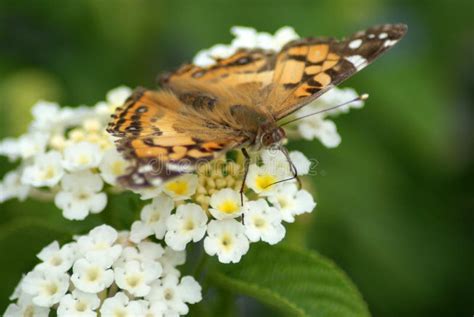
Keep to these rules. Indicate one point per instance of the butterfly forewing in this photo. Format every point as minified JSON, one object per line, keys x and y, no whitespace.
{"x":307,"y":68}
{"x":150,"y":133}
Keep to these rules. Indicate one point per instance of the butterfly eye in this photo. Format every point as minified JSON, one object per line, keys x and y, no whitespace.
{"x":267,"y":139}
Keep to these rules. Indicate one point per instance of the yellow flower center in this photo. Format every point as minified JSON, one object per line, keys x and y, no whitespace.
{"x":48,"y":173}
{"x":189,"y":225}
{"x":50,"y":288}
{"x":226,"y":241}
{"x":259,"y":222}
{"x":120,"y":313}
{"x":83,"y":159}
{"x":56,"y":261}
{"x":282,"y":202}
{"x":93,"y":275}
{"x":117,"y":167}
{"x":178,"y":187}
{"x":133,"y":280}
{"x":228,"y":206}
{"x":262,"y":182}
{"x":81,"y":306}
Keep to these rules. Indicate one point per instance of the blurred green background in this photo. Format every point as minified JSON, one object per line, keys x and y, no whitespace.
{"x":395,"y":199}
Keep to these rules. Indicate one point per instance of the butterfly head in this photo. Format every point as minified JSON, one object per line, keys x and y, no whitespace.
{"x":272,"y":136}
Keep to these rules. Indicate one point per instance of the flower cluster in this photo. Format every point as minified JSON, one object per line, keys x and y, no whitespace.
{"x":67,"y":156}
{"x":104,"y":272}
{"x":226,"y":220}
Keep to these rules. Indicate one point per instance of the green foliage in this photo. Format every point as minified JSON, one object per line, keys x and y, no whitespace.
{"x":296,"y":281}
{"x":20,"y":240}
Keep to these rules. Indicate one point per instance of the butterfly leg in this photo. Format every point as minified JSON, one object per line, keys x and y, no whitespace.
{"x":294,"y":171}
{"x":246,"y":170}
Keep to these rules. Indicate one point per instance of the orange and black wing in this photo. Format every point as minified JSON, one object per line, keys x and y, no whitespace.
{"x":306,"y":68}
{"x":163,"y":138}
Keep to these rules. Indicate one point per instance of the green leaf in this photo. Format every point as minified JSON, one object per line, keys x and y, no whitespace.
{"x":20,"y":241}
{"x":297,"y":282}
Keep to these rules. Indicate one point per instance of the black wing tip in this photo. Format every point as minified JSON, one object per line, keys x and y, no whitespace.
{"x":396,"y":30}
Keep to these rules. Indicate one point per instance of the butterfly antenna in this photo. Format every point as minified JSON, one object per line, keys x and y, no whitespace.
{"x":359,"y":98}
{"x":293,"y":170}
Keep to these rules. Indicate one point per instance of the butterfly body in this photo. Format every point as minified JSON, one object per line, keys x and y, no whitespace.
{"x":202,"y":112}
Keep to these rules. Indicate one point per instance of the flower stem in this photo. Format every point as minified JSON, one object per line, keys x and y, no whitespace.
{"x":199,"y":268}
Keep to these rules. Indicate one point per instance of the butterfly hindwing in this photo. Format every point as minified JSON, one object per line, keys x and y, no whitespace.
{"x":243,"y":67}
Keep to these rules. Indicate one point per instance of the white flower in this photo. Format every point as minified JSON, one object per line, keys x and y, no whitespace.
{"x":145,"y":251}
{"x":99,"y":246}
{"x":45,"y":115}
{"x":291,"y":202}
{"x":12,"y":187}
{"x":25,"y":307}
{"x":136,"y":277}
{"x":245,"y":37}
{"x":284,"y":35}
{"x":121,"y":306}
{"x":80,"y":195}
{"x":301,"y":162}
{"x":69,"y":117}
{"x":9,"y":147}
{"x":181,"y":187}
{"x":82,"y":156}
{"x":227,"y":239}
{"x":190,"y":290}
{"x":203,"y":59}
{"x":46,"y":287}
{"x":276,"y":163}
{"x":220,"y":51}
{"x":175,"y":294}
{"x":155,"y":309}
{"x":117,"y":96}
{"x":45,"y":171}
{"x":337,"y":96}
{"x":55,"y":258}
{"x":263,"y":222}
{"x":170,"y":259}
{"x":318,"y":126}
{"x":262,"y":179}
{"x":186,"y":225}
{"x":153,"y":219}
{"x":32,"y":144}
{"x":91,"y":277}
{"x":148,"y":192}
{"x":26,"y":146}
{"x":323,"y":130}
{"x":226,"y":203}
{"x":112,"y":166}
{"x":78,"y":304}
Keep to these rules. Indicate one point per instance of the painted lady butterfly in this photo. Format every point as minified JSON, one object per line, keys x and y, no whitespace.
{"x":201,"y":113}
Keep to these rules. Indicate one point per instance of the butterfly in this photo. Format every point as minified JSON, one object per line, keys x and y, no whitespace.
{"x":200,"y":113}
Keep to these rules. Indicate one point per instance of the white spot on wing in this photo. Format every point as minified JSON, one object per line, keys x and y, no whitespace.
{"x":138,"y":179}
{"x":182,"y":168}
{"x":371,"y":36}
{"x":145,"y":169}
{"x":358,"y":61}
{"x":383,"y":35}
{"x":389,"y":43}
{"x":355,"y":44}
